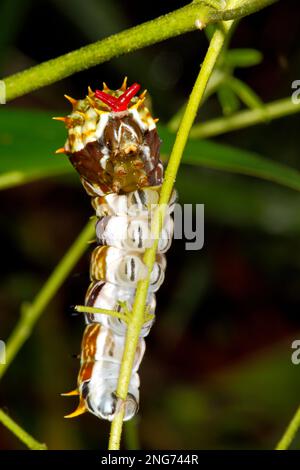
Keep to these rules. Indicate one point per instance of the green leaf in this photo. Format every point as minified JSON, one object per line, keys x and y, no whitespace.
{"x":243,"y":57}
{"x":240,"y":202}
{"x":223,"y":157}
{"x":28,"y":140}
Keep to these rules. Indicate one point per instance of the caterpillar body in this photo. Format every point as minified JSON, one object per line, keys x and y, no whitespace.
{"x":114,"y":145}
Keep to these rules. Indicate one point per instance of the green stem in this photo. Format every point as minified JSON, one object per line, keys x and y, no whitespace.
{"x":24,"y":437}
{"x":246,"y":118}
{"x":290,"y":432}
{"x":30,"y":313}
{"x":136,"y":322}
{"x":103,"y":311}
{"x":246,"y":9}
{"x":173,"y":24}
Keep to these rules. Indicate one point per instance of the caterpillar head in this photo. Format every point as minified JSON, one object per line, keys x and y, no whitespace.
{"x":112,"y":141}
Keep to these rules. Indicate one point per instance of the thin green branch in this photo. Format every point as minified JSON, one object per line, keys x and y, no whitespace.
{"x":276,"y":109}
{"x":21,"y":434}
{"x":192,"y":16}
{"x":30,"y":313}
{"x":290,"y":432}
{"x":246,"y":9}
{"x":103,"y":311}
{"x":137,"y":320}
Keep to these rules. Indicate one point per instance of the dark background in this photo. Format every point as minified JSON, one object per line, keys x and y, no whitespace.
{"x":217,"y":373}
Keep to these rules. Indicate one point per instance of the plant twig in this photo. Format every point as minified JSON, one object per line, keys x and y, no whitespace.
{"x":245,"y":118}
{"x":170,"y":25}
{"x":290,"y":432}
{"x":30,"y":313}
{"x":23,"y":435}
{"x":103,"y":311}
{"x":136,"y":322}
{"x":246,"y":9}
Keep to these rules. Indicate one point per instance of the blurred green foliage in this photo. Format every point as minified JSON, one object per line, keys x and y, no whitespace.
{"x":217,"y":372}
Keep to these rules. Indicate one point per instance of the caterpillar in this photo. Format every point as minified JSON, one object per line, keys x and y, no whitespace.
{"x":114,"y":146}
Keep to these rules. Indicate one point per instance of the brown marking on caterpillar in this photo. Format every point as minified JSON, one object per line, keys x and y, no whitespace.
{"x":89,"y":341}
{"x":98,"y":263}
{"x":92,"y":293}
{"x":85,"y":372}
{"x":88,"y":351}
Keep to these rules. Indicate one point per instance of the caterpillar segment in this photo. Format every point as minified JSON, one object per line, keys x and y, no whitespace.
{"x":100,"y":362}
{"x":114,"y":146}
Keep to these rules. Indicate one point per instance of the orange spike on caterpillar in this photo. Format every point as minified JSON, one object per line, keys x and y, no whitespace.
{"x":124,"y":84}
{"x":138,"y":103}
{"x":91,"y":101}
{"x":142,"y":95}
{"x":71,"y":393}
{"x":105,"y":87}
{"x":73,"y":101}
{"x":60,"y":118}
{"x":79,"y":410}
{"x":68,"y":121}
{"x":60,"y":150}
